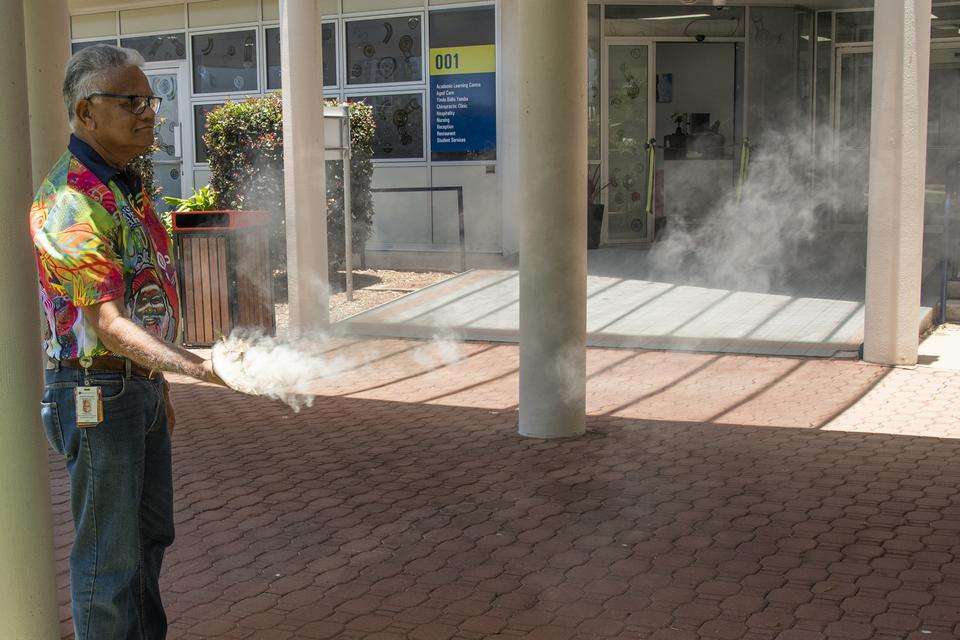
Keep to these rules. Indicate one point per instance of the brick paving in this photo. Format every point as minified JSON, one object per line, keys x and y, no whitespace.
{"x":712,"y":497}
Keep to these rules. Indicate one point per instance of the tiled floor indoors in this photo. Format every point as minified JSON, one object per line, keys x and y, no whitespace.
{"x":714,"y":496}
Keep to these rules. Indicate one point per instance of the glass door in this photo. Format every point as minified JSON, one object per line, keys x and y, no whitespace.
{"x":170,"y":82}
{"x":628,"y":101}
{"x":854,"y":85}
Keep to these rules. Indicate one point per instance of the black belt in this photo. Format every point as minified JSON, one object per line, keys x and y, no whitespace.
{"x":110,"y":363}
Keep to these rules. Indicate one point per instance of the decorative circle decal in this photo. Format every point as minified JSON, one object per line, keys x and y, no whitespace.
{"x":636,"y":224}
{"x":406,"y":44}
{"x":165,"y":87}
{"x":238,"y":82}
{"x":387,"y":67}
{"x":369,"y":51}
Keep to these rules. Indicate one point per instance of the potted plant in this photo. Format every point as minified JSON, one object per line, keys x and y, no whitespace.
{"x":594,"y":208}
{"x":203,"y":199}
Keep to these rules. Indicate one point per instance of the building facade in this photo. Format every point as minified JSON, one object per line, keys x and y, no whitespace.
{"x":435,"y":72}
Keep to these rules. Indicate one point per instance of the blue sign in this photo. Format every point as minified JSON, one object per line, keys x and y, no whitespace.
{"x":464,"y":117}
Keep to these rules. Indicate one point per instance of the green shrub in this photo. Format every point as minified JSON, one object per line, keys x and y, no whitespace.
{"x":203,"y":199}
{"x":142,"y":166}
{"x":245,"y":146}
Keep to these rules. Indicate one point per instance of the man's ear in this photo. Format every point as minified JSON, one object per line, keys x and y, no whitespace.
{"x":84,"y":115}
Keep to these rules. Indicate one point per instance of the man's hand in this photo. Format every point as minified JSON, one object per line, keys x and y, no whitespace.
{"x":209,"y":375}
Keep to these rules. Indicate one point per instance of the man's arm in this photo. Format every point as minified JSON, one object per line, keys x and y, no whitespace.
{"x":125,"y":338}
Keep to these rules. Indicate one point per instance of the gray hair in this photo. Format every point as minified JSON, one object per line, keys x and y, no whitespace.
{"x":87,"y":69}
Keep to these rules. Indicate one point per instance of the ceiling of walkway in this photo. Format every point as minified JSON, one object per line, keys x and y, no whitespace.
{"x":88,"y":5}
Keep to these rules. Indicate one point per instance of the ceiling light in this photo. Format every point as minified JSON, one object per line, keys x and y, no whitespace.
{"x":680,"y":17}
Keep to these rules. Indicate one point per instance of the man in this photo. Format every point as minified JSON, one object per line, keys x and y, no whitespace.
{"x":109,"y":294}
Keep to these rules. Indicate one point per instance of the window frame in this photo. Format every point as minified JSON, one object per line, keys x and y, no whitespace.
{"x":186,"y":37}
{"x":372,"y":16}
{"x":100,"y":40}
{"x":260,"y":61}
{"x":400,"y":91}
{"x":336,"y":69}
{"x":194,"y":149}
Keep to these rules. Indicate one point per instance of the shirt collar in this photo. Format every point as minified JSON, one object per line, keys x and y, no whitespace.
{"x":92,"y":160}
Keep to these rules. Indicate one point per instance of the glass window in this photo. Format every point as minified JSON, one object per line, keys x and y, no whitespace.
{"x":329,"y":34}
{"x":855,"y":26}
{"x":171,"y":46}
{"x":399,"y":120}
{"x":463,"y":84}
{"x":79,"y":46}
{"x":224,"y":62}
{"x":273,"y":58}
{"x":945,"y":22}
{"x":637,"y":20}
{"x":200,"y":112}
{"x":384,"y":50}
{"x":804,"y":63}
{"x":593,"y":83}
{"x":824,"y":68}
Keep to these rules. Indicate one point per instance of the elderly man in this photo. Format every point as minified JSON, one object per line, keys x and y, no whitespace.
{"x":109,"y":293}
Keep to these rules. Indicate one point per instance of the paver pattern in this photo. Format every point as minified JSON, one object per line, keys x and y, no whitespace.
{"x":713,"y":496}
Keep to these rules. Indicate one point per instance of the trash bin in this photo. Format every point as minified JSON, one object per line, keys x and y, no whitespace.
{"x":225,"y":274}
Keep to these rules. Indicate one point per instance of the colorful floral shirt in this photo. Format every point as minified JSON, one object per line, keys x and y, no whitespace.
{"x":97,"y":238}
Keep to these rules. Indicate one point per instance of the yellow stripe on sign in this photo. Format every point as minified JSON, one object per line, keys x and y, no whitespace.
{"x":456,"y":60}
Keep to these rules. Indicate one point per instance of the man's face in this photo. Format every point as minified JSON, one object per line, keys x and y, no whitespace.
{"x":110,"y":121}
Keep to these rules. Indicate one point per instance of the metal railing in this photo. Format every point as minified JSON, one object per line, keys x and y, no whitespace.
{"x":459,"y":190}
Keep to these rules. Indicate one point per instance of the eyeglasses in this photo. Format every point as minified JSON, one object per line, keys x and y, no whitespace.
{"x":136,"y":104}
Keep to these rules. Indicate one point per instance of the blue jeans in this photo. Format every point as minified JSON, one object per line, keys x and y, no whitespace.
{"x":121,"y":495}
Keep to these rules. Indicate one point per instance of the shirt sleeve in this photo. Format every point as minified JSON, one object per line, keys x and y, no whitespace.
{"x":77,"y":249}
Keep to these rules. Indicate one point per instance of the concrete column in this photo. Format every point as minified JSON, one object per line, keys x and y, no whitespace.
{"x":47,"y":25}
{"x":898,"y":148}
{"x":28,"y":598}
{"x":552,"y":135}
{"x":303,"y":164}
{"x":508,"y":151}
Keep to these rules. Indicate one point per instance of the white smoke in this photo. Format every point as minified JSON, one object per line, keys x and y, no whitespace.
{"x":443,"y":349}
{"x":779,"y":226}
{"x":286,"y":370}
{"x":291,"y":369}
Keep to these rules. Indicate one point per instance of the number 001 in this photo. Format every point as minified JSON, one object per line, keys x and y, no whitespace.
{"x":447,"y":61}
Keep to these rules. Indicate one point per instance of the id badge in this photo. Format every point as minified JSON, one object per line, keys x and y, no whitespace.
{"x":89,"y":406}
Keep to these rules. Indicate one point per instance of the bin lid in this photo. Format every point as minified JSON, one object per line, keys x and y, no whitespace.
{"x":200,"y":221}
